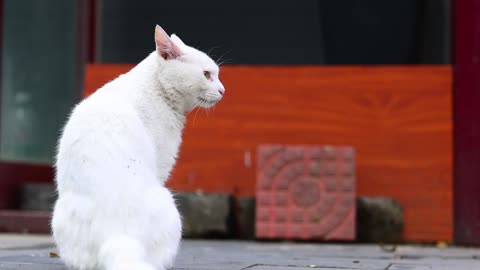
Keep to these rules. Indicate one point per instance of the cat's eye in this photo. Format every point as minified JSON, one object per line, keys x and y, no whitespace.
{"x":207,"y":74}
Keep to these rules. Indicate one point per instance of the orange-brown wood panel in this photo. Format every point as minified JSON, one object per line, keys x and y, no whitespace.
{"x":399,"y":119}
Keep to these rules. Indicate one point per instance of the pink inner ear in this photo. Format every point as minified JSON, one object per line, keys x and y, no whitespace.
{"x":165,"y":46}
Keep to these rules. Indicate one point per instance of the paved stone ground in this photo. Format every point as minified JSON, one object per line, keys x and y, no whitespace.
{"x":32,"y":253}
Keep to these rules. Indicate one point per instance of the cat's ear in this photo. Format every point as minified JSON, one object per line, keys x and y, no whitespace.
{"x":165,"y":46}
{"x":177,"y":40}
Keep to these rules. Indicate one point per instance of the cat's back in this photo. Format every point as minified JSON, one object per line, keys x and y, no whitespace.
{"x":104,"y":111}
{"x":104,"y":130}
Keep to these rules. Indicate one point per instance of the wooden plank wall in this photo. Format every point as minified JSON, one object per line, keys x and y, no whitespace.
{"x":399,"y":119}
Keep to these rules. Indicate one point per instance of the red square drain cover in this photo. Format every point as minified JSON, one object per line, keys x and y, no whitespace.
{"x":305,"y":192}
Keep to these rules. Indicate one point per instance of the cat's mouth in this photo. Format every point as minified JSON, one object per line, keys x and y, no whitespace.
{"x":207,"y":102}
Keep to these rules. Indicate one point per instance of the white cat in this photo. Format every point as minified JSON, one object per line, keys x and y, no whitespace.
{"x":115,"y":155}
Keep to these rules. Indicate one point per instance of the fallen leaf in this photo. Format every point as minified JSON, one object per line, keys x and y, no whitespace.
{"x":442,"y":244}
{"x":54,"y":255}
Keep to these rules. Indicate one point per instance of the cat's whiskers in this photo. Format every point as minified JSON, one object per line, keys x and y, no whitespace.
{"x":211,"y":49}
{"x":195,"y":116}
{"x":219,"y":60}
{"x":224,"y":61}
{"x":194,"y":107}
{"x":196,"y":111}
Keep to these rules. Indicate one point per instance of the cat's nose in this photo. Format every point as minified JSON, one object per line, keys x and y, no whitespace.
{"x":221,"y":91}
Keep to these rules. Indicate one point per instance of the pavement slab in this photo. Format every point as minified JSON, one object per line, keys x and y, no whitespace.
{"x":32,"y":252}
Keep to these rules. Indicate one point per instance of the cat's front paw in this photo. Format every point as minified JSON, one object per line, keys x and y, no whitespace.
{"x":169,"y":266}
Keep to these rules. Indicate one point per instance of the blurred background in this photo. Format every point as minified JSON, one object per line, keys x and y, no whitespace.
{"x":395,"y":80}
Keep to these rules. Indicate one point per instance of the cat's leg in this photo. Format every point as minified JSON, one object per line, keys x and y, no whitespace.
{"x":73,"y":233}
{"x":122,"y":252}
{"x":166,"y":230}
{"x":164,"y":254}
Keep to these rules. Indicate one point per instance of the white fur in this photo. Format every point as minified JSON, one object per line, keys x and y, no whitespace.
{"x":115,"y":154}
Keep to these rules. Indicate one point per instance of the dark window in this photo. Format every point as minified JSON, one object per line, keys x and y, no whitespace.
{"x":282,"y":31}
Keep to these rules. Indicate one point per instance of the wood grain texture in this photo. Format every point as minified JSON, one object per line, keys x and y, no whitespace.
{"x":398,"y":118}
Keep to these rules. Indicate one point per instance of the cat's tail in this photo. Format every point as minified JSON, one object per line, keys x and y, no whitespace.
{"x":124,"y":253}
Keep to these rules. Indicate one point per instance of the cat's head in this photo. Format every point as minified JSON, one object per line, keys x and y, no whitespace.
{"x":190,"y":72}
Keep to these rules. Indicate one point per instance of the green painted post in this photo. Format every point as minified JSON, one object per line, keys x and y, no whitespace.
{"x":42,"y":75}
